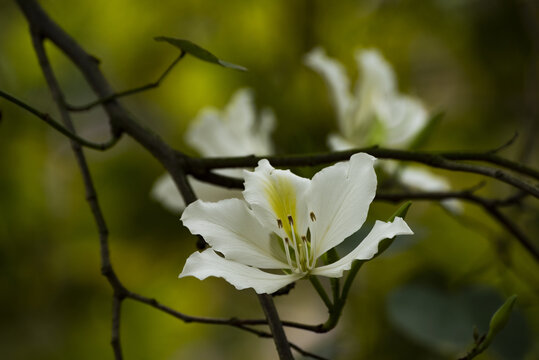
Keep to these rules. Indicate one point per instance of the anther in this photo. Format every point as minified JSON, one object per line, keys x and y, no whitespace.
{"x":304,"y":238}
{"x":313,"y":217}
{"x":290,"y":220}
{"x":279,"y":223}
{"x":286,"y":240}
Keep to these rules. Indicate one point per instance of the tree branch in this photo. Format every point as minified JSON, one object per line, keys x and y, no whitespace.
{"x":120,"y":118}
{"x":136,"y":90}
{"x":54,"y":124}
{"x":489,"y":205}
{"x":234,"y":322}
{"x":442,"y":160}
{"x":91,"y":195}
{"x":279,"y":337}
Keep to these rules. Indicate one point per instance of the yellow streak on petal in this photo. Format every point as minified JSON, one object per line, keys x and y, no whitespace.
{"x":281,"y":195}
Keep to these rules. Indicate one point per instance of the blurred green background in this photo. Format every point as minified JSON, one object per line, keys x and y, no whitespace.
{"x":476,"y":60}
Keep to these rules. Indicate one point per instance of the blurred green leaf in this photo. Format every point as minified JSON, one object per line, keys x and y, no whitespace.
{"x":499,"y":319}
{"x":425,"y":134}
{"x":438,"y":319}
{"x":198,"y":52}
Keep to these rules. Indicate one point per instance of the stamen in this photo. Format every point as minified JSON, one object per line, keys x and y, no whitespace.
{"x":279,"y":223}
{"x":287,"y":251}
{"x":294,"y":243}
{"x":290,"y":220}
{"x":313,"y":217}
{"x":307,"y":253}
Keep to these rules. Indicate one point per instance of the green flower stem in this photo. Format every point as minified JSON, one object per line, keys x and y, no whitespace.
{"x":331,"y":257}
{"x":339,"y":301}
{"x":356,"y":265}
{"x":320,"y":289}
{"x":336,"y":311}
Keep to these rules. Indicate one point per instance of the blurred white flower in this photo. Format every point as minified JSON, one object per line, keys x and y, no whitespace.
{"x":376,"y":114}
{"x":234,"y":131}
{"x":287,"y":222}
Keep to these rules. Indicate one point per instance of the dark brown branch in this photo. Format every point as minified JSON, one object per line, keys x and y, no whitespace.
{"x":55,"y":125}
{"x":133,"y":91}
{"x":440,"y":160}
{"x":115,"y":340}
{"x":91,"y":195}
{"x":489,"y":205}
{"x":279,"y":336}
{"x":121,"y":120}
{"x":234,"y":322}
{"x":43,"y":27}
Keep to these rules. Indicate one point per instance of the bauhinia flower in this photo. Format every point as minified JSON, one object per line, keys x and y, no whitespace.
{"x":231,"y":132}
{"x":278,"y":233}
{"x":376,"y":114}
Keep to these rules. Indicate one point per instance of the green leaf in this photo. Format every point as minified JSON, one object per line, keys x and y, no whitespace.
{"x":198,"y":52}
{"x":427,"y":131}
{"x":499,"y":320}
{"x":401,"y":211}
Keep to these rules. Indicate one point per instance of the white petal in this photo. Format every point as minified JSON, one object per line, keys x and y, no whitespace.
{"x":367,"y":248}
{"x":210,"y":136}
{"x":339,"y":143}
{"x":375,"y":87}
{"x":230,"y":228}
{"x":262,"y":134}
{"x":275,"y":195}
{"x":403,"y":118}
{"x":418,"y":178}
{"x":421,"y":179}
{"x":232,"y":132}
{"x":208,"y":263}
{"x":377,"y":76}
{"x":339,"y":198}
{"x":336,"y":79}
{"x":164,"y":191}
{"x":240,"y":112}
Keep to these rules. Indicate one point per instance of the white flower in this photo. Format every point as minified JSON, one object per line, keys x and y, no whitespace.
{"x":232,"y":132}
{"x":287,"y":222}
{"x":417,"y":178}
{"x":377,"y":114}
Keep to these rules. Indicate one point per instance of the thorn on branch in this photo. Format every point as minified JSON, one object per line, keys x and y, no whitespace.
{"x":505,"y":145}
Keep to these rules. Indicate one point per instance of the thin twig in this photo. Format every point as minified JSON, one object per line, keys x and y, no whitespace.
{"x":56,"y":125}
{"x":488,"y":205}
{"x":91,"y":195}
{"x":234,"y":322}
{"x":505,"y":145}
{"x":136,"y":90}
{"x":120,"y":118}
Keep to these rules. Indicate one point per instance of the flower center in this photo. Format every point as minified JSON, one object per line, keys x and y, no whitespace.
{"x":297,"y":247}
